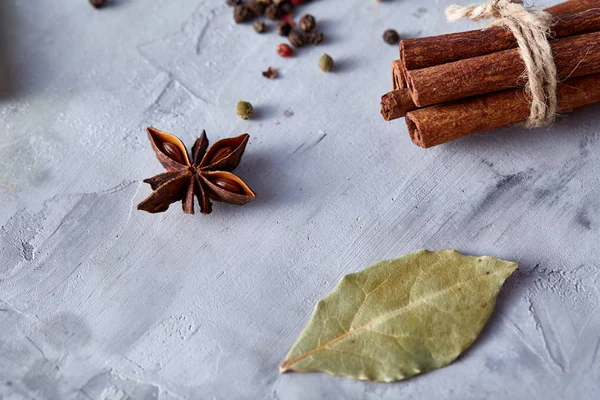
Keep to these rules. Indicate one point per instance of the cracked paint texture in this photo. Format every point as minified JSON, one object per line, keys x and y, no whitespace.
{"x":100,"y":301}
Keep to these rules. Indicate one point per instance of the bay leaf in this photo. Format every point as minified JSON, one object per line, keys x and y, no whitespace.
{"x":400,"y":318}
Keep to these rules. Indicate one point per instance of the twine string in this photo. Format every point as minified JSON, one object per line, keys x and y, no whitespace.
{"x":531,"y":29}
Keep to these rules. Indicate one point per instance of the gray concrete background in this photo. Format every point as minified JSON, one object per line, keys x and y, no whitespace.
{"x":99,"y":300}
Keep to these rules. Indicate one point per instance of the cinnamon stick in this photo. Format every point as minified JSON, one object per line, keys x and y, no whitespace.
{"x":574,"y":56}
{"x":574,"y":17}
{"x":398,"y":77}
{"x":396,"y":104}
{"x":443,"y":123}
{"x":572,"y":7}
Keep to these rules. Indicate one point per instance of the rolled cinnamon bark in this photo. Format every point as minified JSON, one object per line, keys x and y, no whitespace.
{"x":398,"y":77}
{"x":572,"y":7}
{"x":574,"y":17}
{"x":574,"y":56}
{"x":396,"y":104}
{"x":443,"y":123}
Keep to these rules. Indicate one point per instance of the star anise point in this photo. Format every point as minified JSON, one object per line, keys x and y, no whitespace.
{"x":207,"y":175}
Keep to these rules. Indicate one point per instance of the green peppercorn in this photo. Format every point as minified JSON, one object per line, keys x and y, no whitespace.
{"x":326,"y":63}
{"x":244,"y":110}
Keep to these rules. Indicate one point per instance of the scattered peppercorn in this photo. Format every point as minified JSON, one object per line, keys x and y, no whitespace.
{"x":284,"y":28}
{"x":314,"y":37}
{"x":281,"y":11}
{"x":259,"y":26}
{"x":296,"y":38}
{"x":286,"y":7}
{"x":326,"y":63}
{"x":244,"y":110}
{"x":391,"y":36}
{"x":273,"y":12}
{"x":284,"y":50}
{"x":256,"y":7}
{"x":270,"y":73}
{"x":289,"y":18}
{"x":307,"y":22}
{"x":242,"y":14}
{"x":98,"y":3}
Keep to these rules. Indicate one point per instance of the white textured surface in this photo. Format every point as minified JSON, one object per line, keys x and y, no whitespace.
{"x":98,"y":300}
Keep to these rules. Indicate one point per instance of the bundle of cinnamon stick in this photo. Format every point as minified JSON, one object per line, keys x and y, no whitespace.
{"x":455,"y":85}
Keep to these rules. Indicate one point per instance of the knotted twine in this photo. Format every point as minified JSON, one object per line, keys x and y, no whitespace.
{"x":531,"y":29}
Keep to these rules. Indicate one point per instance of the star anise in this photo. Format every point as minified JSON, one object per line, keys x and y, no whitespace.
{"x":207,"y":174}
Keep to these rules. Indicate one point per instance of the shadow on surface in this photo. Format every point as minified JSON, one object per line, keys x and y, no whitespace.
{"x":412,"y":34}
{"x":9,"y":49}
{"x":263,"y":112}
{"x":254,"y":170}
{"x":530,"y":140}
{"x":512,"y":291}
{"x":345,"y":64}
{"x":113,"y":3}
{"x":327,"y":27}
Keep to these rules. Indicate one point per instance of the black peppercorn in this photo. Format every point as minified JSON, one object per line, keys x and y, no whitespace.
{"x":234,"y":2}
{"x":259,"y":26}
{"x":296,"y":38}
{"x":257,"y":7}
{"x":242,"y":14}
{"x":273,"y":12}
{"x":284,"y":28}
{"x":285,"y":7}
{"x":391,"y":36}
{"x":307,"y":22}
{"x":314,"y":37}
{"x":98,"y":3}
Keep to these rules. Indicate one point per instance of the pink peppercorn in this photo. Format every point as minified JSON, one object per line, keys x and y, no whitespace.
{"x":289,"y":18}
{"x":284,"y":50}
